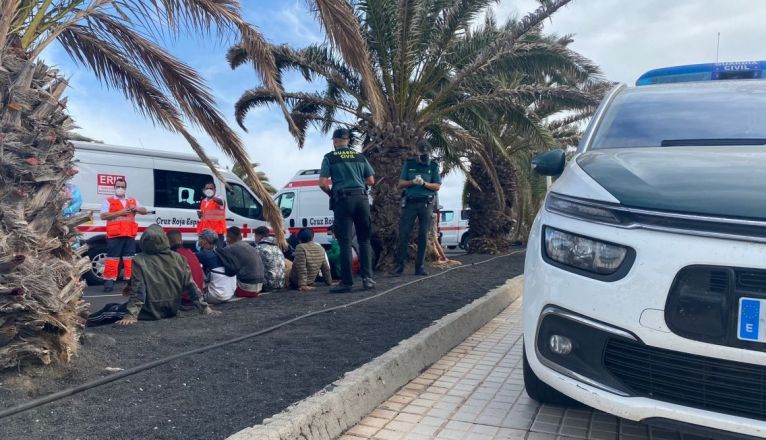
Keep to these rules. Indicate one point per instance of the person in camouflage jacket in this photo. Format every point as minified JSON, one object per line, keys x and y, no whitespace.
{"x":273,"y":260}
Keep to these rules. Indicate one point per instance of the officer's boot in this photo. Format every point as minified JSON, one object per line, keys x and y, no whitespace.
{"x":421,"y":271}
{"x":399,"y":270}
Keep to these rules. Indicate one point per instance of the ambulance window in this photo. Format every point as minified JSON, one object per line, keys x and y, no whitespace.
{"x":243,"y":203}
{"x":285,"y":202}
{"x":448,"y":216}
{"x":173,"y":189}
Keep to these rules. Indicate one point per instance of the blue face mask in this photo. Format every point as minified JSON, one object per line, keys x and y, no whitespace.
{"x":197,"y":246}
{"x":331,"y":239}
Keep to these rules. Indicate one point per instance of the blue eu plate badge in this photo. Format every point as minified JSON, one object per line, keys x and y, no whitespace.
{"x":752,"y":320}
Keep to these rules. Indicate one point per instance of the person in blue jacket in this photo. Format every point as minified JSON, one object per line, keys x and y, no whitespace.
{"x":75,"y":200}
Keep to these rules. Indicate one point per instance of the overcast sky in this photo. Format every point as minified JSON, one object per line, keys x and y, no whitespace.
{"x":625,"y":37}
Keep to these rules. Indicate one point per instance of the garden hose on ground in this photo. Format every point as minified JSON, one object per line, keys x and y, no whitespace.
{"x":149,"y":365}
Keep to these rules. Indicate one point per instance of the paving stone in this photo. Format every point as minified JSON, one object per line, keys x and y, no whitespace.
{"x":476,"y":392}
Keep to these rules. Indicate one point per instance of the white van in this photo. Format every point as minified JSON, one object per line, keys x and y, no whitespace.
{"x":304,"y":205}
{"x":453,"y":227}
{"x":169,"y":185}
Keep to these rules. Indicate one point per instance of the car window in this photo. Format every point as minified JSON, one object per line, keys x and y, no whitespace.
{"x":647,"y":116}
{"x":285,"y":202}
{"x":174,"y":189}
{"x":241,"y":202}
{"x":448,"y":216}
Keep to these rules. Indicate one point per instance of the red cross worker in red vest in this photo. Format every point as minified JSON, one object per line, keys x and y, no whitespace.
{"x":120,"y":212}
{"x":212,"y":213}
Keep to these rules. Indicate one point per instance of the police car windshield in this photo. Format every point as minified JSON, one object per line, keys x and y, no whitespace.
{"x":715,"y":113}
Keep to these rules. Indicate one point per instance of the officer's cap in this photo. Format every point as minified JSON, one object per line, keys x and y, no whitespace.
{"x":424,"y":146}
{"x":341,"y":133}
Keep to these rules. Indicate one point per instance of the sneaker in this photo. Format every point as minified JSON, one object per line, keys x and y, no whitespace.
{"x":421,"y":271}
{"x":108,"y":286}
{"x":341,"y":288}
{"x":368,"y":283}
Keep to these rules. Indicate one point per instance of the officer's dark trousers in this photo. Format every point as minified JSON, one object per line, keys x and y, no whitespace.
{"x":353,"y":211}
{"x":422,"y":211}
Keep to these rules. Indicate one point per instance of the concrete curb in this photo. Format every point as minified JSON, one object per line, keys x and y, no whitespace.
{"x":330,"y":412}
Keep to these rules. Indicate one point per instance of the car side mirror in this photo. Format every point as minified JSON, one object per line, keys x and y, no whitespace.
{"x":550,"y":163}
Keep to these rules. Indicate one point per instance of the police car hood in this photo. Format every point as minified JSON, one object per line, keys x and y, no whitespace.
{"x":715,"y":181}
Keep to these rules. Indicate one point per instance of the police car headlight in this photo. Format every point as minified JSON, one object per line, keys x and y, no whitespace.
{"x":580,"y":209}
{"x":586,"y":254}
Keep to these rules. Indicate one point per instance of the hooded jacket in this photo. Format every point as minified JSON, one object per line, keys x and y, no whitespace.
{"x":159,"y":277}
{"x":243,"y":260}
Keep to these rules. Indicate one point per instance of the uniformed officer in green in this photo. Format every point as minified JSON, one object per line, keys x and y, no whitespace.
{"x":420,"y":180}
{"x":351,"y":174}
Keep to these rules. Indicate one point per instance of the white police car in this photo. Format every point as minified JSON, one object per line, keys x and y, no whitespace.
{"x":645,"y":279}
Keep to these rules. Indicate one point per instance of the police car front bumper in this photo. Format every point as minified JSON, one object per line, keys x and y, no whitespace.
{"x":625,"y":358}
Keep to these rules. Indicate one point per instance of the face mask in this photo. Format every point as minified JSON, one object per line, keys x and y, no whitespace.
{"x":331,"y":240}
{"x":198,"y":247}
{"x":424,"y":158}
{"x":209,"y":193}
{"x":119,"y":192}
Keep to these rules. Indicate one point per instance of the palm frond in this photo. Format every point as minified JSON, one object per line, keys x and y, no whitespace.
{"x":8,"y":13}
{"x":114,"y":69}
{"x":342,"y":27}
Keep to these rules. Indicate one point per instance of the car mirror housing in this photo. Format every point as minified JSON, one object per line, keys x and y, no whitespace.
{"x":550,"y":163}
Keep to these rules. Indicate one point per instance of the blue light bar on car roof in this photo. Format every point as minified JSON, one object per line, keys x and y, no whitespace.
{"x":703,"y":72}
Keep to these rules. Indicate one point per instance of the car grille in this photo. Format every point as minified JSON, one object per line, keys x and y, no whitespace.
{"x":695,"y":381}
{"x":751,"y":280}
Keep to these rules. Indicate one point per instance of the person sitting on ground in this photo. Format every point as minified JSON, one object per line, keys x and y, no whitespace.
{"x":220,"y":287}
{"x":159,"y":277}
{"x":177,"y":245}
{"x":309,"y":260}
{"x":273,"y":260}
{"x":241,"y":259}
{"x":292,"y":243}
{"x":333,"y":254}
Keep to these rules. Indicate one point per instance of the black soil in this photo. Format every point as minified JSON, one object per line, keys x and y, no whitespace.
{"x":221,"y":391}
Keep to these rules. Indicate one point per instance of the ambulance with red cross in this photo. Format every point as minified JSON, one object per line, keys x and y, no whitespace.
{"x":169,"y":185}
{"x":304,"y":205}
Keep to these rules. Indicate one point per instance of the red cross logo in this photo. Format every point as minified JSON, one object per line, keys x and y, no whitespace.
{"x":245,"y":230}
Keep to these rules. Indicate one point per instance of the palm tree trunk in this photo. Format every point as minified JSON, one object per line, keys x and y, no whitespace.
{"x":41,"y":309}
{"x":387,"y":162}
{"x":490,"y":225}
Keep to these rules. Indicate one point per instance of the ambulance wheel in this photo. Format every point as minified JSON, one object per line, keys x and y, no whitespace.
{"x":97,"y":257}
{"x":464,"y":242}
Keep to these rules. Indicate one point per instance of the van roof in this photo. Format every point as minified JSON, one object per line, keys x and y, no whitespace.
{"x":95,"y":146}
{"x":304,"y":178}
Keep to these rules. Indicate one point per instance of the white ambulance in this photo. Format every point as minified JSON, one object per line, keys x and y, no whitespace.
{"x":304,"y":205}
{"x":453,"y":226}
{"x":167,"y":184}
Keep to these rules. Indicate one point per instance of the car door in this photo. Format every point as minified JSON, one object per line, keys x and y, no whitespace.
{"x":243,"y":210}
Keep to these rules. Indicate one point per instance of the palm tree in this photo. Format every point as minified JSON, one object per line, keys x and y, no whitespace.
{"x":399,"y":71}
{"x":41,"y":307}
{"x":242,"y":174}
{"x":499,"y":190}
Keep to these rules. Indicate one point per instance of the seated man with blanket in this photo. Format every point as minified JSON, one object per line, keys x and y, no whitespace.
{"x":159,"y":277}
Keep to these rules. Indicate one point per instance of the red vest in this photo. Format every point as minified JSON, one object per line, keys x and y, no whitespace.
{"x":124,"y":226}
{"x":213,"y":217}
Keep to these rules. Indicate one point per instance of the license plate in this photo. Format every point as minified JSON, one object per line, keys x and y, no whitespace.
{"x":752,"y":320}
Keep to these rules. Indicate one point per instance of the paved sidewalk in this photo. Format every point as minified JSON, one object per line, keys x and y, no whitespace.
{"x":476,"y":392}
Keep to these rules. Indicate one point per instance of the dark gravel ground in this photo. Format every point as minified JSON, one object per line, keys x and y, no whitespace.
{"x":221,"y":391}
